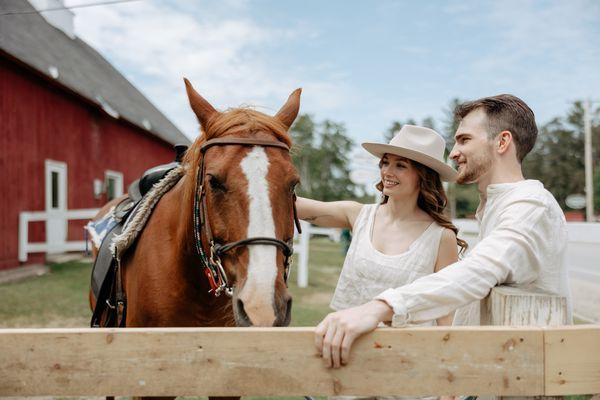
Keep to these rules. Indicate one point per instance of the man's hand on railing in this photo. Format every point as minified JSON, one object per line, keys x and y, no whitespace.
{"x":336,"y":333}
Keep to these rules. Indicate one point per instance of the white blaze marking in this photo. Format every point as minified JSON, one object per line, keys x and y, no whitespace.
{"x":262,"y":265}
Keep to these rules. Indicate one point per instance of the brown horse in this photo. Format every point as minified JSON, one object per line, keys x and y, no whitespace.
{"x":247,"y":192}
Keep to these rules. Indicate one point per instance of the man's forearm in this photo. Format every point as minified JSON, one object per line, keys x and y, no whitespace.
{"x":382,"y":310}
{"x":436,"y":295}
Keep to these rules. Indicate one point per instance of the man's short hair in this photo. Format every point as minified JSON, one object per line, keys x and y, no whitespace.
{"x":505,"y":112}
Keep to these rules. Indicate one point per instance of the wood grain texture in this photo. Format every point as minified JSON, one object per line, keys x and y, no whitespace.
{"x":509,"y":306}
{"x":572,"y":361}
{"x":268,"y":362}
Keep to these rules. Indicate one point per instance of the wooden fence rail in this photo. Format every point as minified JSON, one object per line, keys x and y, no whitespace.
{"x":505,"y":361}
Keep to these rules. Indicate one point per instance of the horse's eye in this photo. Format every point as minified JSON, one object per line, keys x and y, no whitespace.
{"x":216,"y":184}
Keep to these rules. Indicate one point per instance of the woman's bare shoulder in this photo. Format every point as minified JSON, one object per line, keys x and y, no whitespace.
{"x":448,"y":236}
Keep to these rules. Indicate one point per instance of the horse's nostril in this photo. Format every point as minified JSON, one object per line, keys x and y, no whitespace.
{"x":288,"y":311}
{"x":285,"y":321}
{"x":241,"y":310}
{"x":242,"y":317}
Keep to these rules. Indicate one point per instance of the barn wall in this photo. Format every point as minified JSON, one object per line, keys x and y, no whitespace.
{"x":40,"y":121}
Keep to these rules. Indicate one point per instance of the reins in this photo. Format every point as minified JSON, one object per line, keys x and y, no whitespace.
{"x":211,"y":260}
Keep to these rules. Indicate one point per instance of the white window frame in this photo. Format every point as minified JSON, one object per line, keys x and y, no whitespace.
{"x":56,"y":224}
{"x":61,"y":168}
{"x":118,"y":179}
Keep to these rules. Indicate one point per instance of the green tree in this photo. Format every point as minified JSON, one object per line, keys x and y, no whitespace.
{"x":303,"y":136}
{"x":395,"y":126}
{"x":450,"y":122}
{"x":428,"y":122}
{"x":597,"y":191}
{"x":322,"y":156}
{"x":558,"y":157}
{"x":467,"y":199}
{"x":463,"y":199}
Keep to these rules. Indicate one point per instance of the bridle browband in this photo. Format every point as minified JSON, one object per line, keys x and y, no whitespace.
{"x":211,"y":260}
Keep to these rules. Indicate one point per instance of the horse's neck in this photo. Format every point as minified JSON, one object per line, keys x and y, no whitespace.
{"x":182,"y":215}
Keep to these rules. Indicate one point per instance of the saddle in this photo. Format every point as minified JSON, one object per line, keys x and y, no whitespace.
{"x":142,"y":186}
{"x":106,"y":284}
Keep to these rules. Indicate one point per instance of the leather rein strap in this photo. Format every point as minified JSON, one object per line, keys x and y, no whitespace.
{"x":211,"y":260}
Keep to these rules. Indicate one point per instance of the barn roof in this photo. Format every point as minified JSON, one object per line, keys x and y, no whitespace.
{"x":80,"y":68}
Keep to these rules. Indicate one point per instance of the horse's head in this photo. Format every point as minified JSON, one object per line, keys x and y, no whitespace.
{"x":248,"y":193}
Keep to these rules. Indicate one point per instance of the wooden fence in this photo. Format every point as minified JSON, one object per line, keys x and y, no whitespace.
{"x":282,"y":361}
{"x":492,"y":360}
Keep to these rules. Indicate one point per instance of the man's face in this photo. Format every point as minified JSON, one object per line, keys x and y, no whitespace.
{"x":472,"y":151}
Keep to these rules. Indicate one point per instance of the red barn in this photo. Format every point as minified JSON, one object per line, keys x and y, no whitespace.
{"x":73,"y":132}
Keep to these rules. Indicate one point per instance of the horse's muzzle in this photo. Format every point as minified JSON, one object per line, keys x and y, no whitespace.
{"x":282,"y":309}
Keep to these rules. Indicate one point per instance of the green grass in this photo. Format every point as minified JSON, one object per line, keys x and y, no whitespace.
{"x":60,"y":298}
{"x":57,"y":299}
{"x":311,"y":304}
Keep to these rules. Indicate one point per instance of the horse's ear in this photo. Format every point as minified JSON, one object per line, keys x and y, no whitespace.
{"x":202,"y":108}
{"x":288,"y":113}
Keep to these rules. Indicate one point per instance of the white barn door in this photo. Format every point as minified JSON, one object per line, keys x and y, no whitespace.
{"x":56,"y":205}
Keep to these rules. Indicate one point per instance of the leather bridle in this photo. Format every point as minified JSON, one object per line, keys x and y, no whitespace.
{"x":211,"y":260}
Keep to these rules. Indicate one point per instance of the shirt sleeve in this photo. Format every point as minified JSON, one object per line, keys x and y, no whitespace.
{"x":509,"y":254}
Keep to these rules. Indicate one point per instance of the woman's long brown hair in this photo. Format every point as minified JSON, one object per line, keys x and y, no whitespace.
{"x":432,"y":199}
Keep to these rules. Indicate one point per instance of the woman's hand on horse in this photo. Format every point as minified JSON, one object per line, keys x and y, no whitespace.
{"x":335,"y":335}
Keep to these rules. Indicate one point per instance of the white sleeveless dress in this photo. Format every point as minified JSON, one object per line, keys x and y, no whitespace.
{"x":368,"y":272}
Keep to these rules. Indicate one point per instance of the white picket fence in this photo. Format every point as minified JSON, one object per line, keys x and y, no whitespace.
{"x":583,"y":251}
{"x":302,"y":247}
{"x":25,"y":217}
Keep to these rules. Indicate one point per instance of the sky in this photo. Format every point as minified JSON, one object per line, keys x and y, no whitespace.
{"x":361,"y":63}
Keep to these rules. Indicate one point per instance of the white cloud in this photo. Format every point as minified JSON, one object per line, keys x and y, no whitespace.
{"x":224,"y":53}
{"x":545,"y":52}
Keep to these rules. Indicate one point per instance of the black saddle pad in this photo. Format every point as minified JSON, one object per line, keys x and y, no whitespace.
{"x":106,"y":229}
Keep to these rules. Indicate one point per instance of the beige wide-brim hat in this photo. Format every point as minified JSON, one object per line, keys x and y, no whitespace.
{"x":419,"y":144}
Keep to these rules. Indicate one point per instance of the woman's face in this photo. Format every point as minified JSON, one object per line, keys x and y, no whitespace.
{"x":398,"y":175}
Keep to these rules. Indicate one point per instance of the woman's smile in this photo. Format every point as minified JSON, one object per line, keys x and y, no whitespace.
{"x":389,"y":183}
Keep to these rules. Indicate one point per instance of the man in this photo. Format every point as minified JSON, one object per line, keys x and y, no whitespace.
{"x":522,"y":231}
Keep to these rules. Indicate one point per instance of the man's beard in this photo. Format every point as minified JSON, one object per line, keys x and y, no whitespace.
{"x":473,"y":169}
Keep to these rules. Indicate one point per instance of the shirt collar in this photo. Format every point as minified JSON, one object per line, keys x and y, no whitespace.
{"x":497,"y":189}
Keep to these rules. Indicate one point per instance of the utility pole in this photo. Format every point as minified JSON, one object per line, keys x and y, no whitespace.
{"x":589,"y":186}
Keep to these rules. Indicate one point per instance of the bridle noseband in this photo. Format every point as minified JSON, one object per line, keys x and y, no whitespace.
{"x":211,"y":264}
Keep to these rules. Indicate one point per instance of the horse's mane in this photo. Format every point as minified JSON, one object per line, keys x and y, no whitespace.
{"x":244,"y":122}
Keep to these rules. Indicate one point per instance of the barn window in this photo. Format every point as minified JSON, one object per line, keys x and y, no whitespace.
{"x":114,"y":184}
{"x":54,"y":188}
{"x":55,"y":185}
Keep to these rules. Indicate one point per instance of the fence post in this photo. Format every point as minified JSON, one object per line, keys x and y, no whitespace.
{"x":303,"y":255}
{"x":513,"y":306}
{"x":23,"y":235}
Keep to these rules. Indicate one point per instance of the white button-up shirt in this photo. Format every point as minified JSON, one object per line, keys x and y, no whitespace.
{"x":522,"y":242}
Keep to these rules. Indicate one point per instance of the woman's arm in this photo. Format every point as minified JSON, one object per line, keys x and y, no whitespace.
{"x":447,"y":254}
{"x":335,"y":214}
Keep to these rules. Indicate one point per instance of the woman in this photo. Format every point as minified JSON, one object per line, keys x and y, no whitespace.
{"x":404,"y":237}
